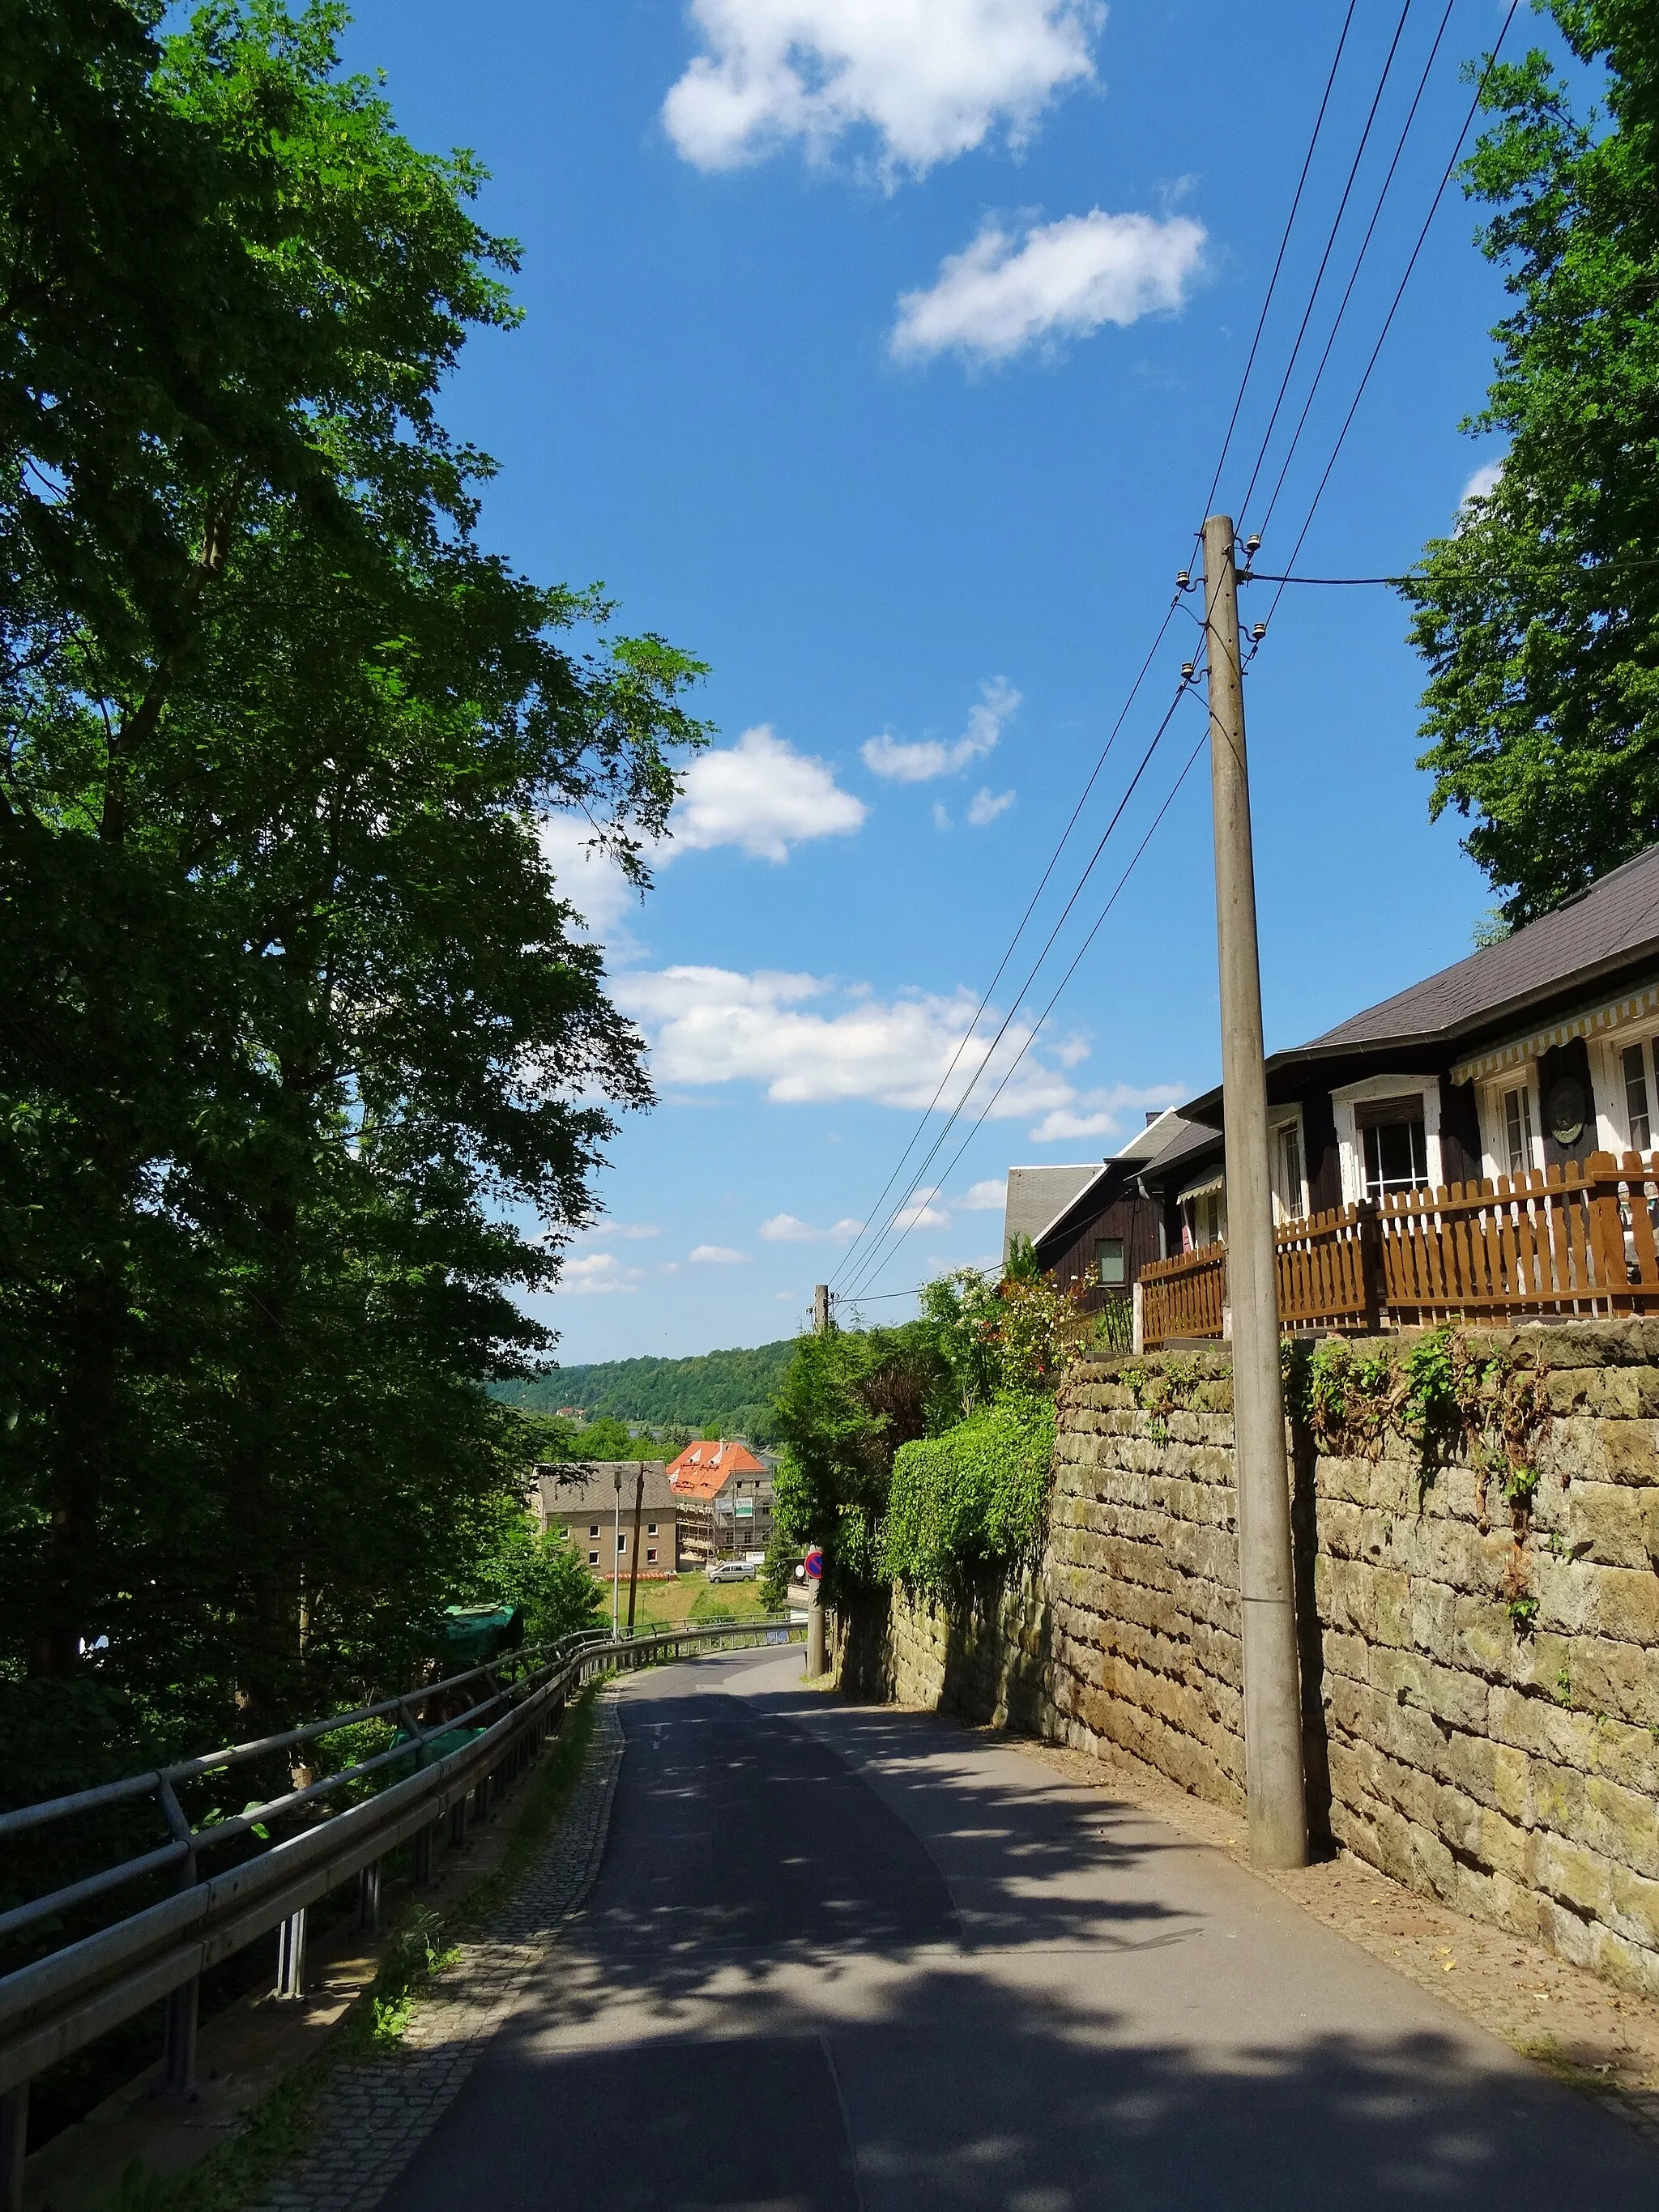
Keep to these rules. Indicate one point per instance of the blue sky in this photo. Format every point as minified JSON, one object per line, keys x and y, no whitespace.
{"x":879,"y":354}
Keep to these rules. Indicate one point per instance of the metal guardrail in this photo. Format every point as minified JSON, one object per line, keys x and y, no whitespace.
{"x":58,"y":2004}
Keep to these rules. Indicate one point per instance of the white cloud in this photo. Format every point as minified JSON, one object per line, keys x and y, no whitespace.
{"x":921,"y":1212}
{"x":787,"y":1228}
{"x":1484,"y":480}
{"x":929,"y":79}
{"x":983,"y":808}
{"x":941,"y":816}
{"x":595,"y":1273}
{"x":987,"y":1197}
{"x":920,"y":764}
{"x":1103,"y":1113}
{"x":710,"y":1025}
{"x":633,"y":1231}
{"x":1059,"y":279}
{"x":593,"y":883}
{"x":761,"y":796}
{"x":717,"y":1255}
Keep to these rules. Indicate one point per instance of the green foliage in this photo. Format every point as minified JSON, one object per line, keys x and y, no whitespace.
{"x":975,"y":1498}
{"x":994,"y":1336}
{"x":606,"y":1439}
{"x":296,"y":1026}
{"x":720,"y":1394}
{"x":542,"y":1572}
{"x":1539,"y":615}
{"x":1021,"y":1265}
{"x":849,"y":1399}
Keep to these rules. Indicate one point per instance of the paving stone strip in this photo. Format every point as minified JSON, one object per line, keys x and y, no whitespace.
{"x":375,"y":2115}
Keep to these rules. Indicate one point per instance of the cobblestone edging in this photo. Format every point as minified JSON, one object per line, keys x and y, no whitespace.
{"x":374,"y":2116}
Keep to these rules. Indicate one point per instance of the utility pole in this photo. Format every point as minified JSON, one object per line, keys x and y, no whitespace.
{"x":634,"y":1562}
{"x":1272,"y":1692}
{"x":815,"y":1654}
{"x":616,"y":1561}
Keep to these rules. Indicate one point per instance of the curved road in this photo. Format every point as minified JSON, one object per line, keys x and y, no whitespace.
{"x":839,"y":1959}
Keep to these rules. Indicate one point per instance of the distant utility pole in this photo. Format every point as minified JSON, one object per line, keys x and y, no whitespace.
{"x":616,"y":1561}
{"x":634,"y":1562}
{"x":1273,"y":1694}
{"x":821,"y":1311}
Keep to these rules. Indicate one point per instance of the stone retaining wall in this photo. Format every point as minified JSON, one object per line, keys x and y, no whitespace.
{"x":1481,"y":1686}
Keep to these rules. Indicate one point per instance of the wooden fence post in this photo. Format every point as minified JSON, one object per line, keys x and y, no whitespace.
{"x":1370,"y":1263}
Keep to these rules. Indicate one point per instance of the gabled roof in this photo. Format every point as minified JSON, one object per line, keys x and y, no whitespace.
{"x":1607,"y":927}
{"x":1147,"y":1148}
{"x":1035,"y":1196}
{"x":1605,"y":931}
{"x":703,"y":1470}
{"x":583,"y":1486}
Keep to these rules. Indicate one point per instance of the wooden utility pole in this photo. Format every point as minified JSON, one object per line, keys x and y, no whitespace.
{"x":821,"y":1311}
{"x":1272,"y":1692}
{"x":634,"y":1562}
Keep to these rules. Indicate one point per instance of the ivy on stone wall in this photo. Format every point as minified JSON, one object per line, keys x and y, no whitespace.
{"x":975,"y":1497}
{"x":1450,"y":1397}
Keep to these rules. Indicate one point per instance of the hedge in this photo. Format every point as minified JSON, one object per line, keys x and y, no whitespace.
{"x":975,"y":1497}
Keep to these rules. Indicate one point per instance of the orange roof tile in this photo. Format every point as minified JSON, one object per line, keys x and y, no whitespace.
{"x":703,"y":1469}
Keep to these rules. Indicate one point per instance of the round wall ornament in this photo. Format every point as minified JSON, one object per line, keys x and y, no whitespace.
{"x":1563,"y":1110}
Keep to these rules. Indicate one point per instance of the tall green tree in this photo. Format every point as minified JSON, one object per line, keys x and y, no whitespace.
{"x":295,"y":1027}
{"x":850,"y":1399}
{"x":1539,"y":616}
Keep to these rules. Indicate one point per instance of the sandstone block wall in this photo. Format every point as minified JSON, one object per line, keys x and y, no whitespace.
{"x":1481,"y":1688}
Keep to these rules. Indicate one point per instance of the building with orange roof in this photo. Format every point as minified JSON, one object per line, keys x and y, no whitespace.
{"x":723,"y":1495}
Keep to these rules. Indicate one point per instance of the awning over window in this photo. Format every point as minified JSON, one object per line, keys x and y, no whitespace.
{"x":1520,"y":1050}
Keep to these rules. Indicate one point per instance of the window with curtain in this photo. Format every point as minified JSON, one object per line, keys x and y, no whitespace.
{"x":1637,"y":1118}
{"x":1518,"y":1130}
{"x":1395,"y":1145}
{"x":1289,"y":1188}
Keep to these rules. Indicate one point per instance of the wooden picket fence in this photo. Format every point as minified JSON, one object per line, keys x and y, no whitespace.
{"x":1562,"y":1243}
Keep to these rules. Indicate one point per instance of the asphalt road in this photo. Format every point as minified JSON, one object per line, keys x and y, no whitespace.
{"x":844,"y":1959}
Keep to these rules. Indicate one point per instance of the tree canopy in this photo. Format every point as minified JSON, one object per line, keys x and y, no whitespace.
{"x":305,"y":1066}
{"x":1539,"y":615}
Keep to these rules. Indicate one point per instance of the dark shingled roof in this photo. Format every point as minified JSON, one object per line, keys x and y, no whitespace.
{"x":1603,"y":929}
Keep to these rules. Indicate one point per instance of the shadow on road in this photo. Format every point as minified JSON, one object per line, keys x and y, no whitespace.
{"x":784,"y":1996}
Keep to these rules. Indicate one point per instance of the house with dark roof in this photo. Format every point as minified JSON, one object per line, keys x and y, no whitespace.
{"x":1533,"y":1053}
{"x":1102,"y":1235}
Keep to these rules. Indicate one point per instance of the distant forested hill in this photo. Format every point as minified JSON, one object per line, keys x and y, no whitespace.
{"x":728,"y":1393}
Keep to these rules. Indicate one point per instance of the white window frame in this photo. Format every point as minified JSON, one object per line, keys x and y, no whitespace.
{"x":1351,"y":1151}
{"x":1213,"y":1186}
{"x":1279,"y":1120}
{"x":1494,"y":1127}
{"x":1607,"y":1077}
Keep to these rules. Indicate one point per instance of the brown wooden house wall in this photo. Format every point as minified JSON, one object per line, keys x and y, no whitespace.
{"x":1132,"y":1219}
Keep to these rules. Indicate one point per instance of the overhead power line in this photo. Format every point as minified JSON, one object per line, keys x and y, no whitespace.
{"x":865,"y":1258}
{"x":1353,"y":275}
{"x":1400,"y":293}
{"x":1054,"y":861}
{"x":1278,"y":262}
{"x":1151,"y":831}
{"x":863,"y":1272}
{"x":1325,"y":257}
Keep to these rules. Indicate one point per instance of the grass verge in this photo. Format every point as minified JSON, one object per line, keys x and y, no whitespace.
{"x":423,"y":1942}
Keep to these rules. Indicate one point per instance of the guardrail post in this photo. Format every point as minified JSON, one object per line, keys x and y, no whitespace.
{"x":291,"y":1955}
{"x":13,"y":2145}
{"x":368,"y":1897}
{"x":178,"y":2034}
{"x":457,"y":1822}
